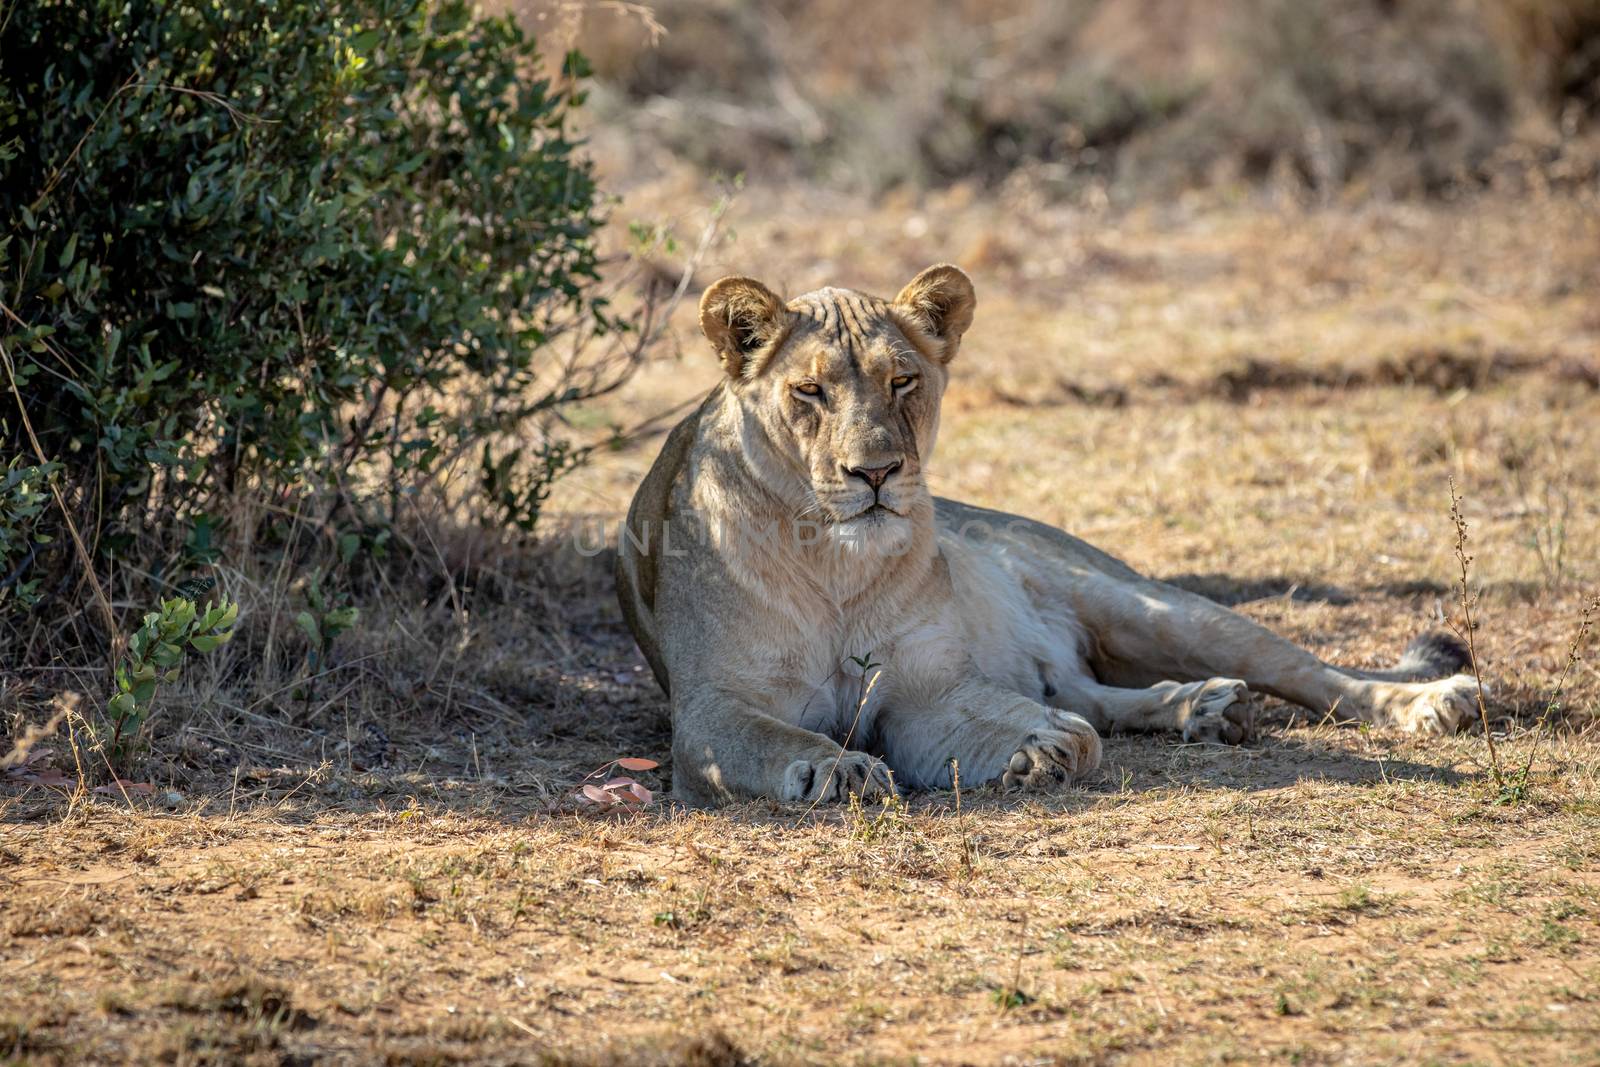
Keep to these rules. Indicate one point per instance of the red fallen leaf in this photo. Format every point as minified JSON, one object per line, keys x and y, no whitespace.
{"x":622,"y":796}
{"x":634,"y":763}
{"x":137,"y":789}
{"x":50,"y":776}
{"x":598,"y":795}
{"x":642,"y":793}
{"x":616,"y":783}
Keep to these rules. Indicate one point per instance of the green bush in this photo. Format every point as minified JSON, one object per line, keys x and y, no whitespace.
{"x":281,"y":245}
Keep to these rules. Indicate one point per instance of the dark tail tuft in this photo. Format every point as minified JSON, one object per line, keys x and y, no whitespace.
{"x":1435,"y":654}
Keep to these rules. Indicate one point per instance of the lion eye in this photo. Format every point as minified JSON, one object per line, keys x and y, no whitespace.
{"x":900,"y":381}
{"x":808,"y":389}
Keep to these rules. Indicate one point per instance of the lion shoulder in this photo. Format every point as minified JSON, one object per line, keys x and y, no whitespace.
{"x":638,"y":566}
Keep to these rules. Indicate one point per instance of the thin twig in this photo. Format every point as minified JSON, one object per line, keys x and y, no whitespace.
{"x":866,"y":692}
{"x":239,"y":118}
{"x":65,"y":704}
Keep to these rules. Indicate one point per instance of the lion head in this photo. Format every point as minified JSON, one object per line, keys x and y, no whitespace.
{"x":839,"y":394}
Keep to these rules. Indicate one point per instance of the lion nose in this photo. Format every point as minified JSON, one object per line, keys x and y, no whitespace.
{"x":874,"y":476}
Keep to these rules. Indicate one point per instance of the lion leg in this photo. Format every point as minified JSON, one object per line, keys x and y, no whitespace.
{"x":724,"y":748}
{"x":987,"y":733}
{"x":1149,"y":632}
{"x":1214,"y":709}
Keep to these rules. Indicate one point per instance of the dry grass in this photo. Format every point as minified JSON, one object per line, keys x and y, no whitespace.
{"x":1324,"y":896}
{"x":1262,"y":405}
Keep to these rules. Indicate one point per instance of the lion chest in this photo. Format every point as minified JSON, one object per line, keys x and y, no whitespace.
{"x":836,"y":680}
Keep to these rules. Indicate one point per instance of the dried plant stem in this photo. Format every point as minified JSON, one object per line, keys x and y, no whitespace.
{"x":1574,"y":654}
{"x":1012,"y":996}
{"x":1466,"y":629}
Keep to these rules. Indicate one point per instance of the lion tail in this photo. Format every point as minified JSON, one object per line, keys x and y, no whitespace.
{"x":1431,"y":654}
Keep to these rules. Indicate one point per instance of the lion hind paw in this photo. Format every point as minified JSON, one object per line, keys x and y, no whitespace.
{"x":1438,"y":708}
{"x":1053,"y":757}
{"x":1218,"y":711}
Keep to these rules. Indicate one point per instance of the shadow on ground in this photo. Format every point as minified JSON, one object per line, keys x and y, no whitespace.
{"x":551,"y":727}
{"x":1280,"y":757}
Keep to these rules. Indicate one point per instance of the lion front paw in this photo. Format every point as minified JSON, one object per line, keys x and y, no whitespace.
{"x":1055,"y":755}
{"x":1435,"y":708}
{"x":834,"y":778}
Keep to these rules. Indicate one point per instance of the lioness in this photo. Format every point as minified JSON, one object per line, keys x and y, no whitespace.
{"x":786,"y":534}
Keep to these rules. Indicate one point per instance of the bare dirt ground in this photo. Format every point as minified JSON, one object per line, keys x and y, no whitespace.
{"x":1264,"y":405}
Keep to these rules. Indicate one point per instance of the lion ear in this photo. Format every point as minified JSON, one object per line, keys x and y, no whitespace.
{"x":741,"y":317}
{"x":939,"y":302}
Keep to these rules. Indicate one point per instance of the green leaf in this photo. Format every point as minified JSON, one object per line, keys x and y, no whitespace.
{"x":308,"y":625}
{"x":177,"y":614}
{"x":341,"y":618}
{"x":121,"y":706}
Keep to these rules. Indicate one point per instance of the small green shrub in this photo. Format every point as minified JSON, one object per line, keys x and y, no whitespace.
{"x":156,"y":654}
{"x":284,"y":246}
{"x":323,"y":619}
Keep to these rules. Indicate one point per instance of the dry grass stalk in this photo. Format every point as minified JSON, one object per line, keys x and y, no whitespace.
{"x":65,"y":705}
{"x":863,"y":693}
{"x":1466,"y":629}
{"x":1552,"y":705}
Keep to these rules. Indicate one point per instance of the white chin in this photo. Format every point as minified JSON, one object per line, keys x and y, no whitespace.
{"x":874,"y":532}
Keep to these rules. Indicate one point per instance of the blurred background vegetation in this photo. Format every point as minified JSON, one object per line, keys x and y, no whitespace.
{"x":1098,"y":98}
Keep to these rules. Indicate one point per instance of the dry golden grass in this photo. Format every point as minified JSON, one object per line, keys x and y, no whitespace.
{"x":395,"y":873}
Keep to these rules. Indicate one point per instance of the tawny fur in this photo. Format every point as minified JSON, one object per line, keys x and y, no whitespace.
{"x":763,"y":570}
